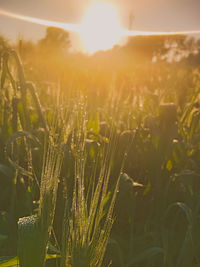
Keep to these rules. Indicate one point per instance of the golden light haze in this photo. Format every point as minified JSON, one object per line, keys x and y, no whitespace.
{"x":100,"y":27}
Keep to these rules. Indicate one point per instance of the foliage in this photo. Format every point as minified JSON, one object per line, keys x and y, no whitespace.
{"x":65,"y":138}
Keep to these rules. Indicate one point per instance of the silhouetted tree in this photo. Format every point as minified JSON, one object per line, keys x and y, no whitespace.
{"x":147,"y":47}
{"x":56,"y":39}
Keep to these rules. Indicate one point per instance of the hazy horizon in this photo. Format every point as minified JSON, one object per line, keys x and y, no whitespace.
{"x":156,"y":15}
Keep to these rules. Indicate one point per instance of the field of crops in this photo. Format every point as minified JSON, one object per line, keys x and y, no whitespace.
{"x":100,"y":155}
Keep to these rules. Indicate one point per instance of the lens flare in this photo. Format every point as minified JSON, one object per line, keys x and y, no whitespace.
{"x":48,"y":23}
{"x":151,"y":33}
{"x":100,"y":28}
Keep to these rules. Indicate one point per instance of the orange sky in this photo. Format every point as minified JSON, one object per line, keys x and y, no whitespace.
{"x":150,"y":15}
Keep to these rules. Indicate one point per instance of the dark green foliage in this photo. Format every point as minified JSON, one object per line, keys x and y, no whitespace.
{"x":61,"y":154}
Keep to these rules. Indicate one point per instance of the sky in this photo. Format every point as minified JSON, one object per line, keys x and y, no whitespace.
{"x":150,"y":15}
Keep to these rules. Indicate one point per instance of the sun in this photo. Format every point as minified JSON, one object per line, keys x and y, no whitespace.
{"x":100,"y":28}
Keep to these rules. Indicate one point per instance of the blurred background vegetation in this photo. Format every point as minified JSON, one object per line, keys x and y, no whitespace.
{"x":145,"y":96}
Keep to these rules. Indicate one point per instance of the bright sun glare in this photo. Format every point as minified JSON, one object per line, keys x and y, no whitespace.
{"x":100,"y":28}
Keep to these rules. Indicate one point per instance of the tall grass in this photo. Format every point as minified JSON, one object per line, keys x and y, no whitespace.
{"x":89,"y":217}
{"x":33,"y":252}
{"x":76,"y":147}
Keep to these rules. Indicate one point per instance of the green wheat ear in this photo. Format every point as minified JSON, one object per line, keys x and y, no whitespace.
{"x":30,"y":242}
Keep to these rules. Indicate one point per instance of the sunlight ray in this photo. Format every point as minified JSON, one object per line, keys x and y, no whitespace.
{"x":93,"y":36}
{"x":78,"y":27}
{"x":154,"y":33}
{"x":65,"y":26}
